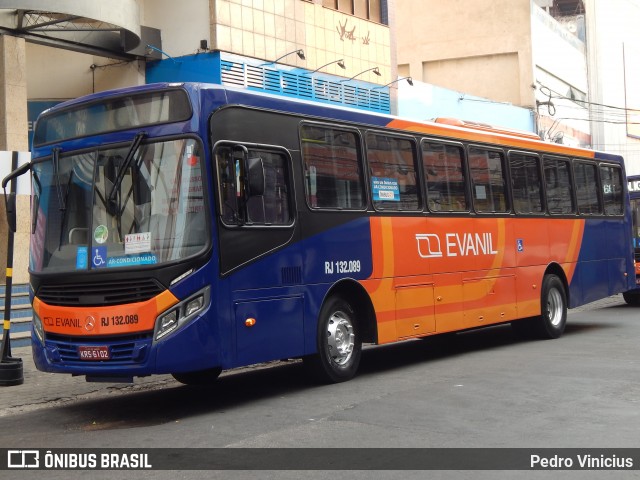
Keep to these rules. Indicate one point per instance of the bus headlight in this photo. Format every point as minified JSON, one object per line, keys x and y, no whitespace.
{"x":37,"y":327}
{"x":167,"y":323}
{"x":182,"y":313}
{"x":194,"y":306}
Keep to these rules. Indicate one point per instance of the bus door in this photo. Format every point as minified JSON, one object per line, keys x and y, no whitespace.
{"x":257,"y":252}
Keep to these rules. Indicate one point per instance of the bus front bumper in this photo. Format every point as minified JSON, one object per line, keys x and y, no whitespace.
{"x":112,"y":359}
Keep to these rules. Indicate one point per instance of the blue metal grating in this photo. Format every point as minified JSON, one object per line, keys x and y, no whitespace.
{"x":304,"y":86}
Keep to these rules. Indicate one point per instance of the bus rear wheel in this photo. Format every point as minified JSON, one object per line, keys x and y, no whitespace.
{"x":201,"y":377}
{"x":339,"y":343}
{"x":553,"y":318}
{"x":632,"y":298}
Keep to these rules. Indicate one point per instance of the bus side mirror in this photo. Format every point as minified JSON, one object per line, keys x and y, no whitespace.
{"x":10,"y":198}
{"x":10,"y":202}
{"x":255,"y":167}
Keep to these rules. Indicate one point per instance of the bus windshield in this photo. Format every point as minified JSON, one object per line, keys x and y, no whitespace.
{"x":97,"y":210}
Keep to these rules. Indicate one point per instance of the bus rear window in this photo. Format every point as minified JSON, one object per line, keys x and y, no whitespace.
{"x":612,"y":189}
{"x":110,"y":115}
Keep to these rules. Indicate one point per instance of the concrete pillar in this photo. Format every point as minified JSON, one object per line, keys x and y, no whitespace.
{"x":14,"y":136}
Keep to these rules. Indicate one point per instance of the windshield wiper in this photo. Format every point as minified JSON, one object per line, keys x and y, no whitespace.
{"x":55,"y":160}
{"x":36,"y":202}
{"x":62,"y":196}
{"x":137,"y":140}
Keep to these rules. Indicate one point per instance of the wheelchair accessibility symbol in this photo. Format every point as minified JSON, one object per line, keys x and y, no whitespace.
{"x":99,"y":257}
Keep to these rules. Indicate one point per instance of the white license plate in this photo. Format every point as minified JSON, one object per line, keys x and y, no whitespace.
{"x":94,"y":353}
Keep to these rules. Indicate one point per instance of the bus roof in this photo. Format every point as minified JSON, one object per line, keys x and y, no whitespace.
{"x":453,"y":129}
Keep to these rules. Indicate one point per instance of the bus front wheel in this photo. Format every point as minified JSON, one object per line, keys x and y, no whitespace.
{"x":339,"y":343}
{"x":201,"y":377}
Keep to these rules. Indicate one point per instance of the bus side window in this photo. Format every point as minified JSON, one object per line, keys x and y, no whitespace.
{"x":488,"y":180}
{"x":557,"y":177}
{"x":238,"y":205}
{"x":270,"y":206}
{"x":332,"y":168}
{"x":228,"y":169}
{"x":392,"y":164}
{"x":586,"y":175}
{"x":444,"y":177}
{"x":526,"y":183}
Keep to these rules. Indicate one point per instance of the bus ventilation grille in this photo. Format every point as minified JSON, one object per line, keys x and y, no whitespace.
{"x":291,"y":276}
{"x":100,"y":293}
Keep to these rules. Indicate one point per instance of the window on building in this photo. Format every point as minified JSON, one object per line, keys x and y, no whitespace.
{"x":557,"y":177}
{"x":392,"y":165}
{"x":444,"y":176}
{"x":332,"y":168}
{"x":526,"y":183}
{"x":367,"y":9}
{"x":586,"y":175}
{"x":488,"y":180}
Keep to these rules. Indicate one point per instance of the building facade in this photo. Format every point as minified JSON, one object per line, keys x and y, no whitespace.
{"x":572,"y":63}
{"x":613,"y":48}
{"x":337,"y":51}
{"x":506,"y":51}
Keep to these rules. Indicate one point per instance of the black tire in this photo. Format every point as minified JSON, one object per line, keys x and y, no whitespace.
{"x":524,"y":328}
{"x":339,"y":343}
{"x":632,"y":298}
{"x":553,"y":299}
{"x":201,"y":377}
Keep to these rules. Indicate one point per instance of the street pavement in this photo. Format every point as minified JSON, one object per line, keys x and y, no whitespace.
{"x":42,"y":390}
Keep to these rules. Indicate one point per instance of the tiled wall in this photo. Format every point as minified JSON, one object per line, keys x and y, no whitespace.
{"x":268,"y":29}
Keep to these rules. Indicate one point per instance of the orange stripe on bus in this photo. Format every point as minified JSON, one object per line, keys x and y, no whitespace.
{"x":105,"y":320}
{"x":574,"y":248}
{"x":448,"y":273}
{"x":462,"y":133}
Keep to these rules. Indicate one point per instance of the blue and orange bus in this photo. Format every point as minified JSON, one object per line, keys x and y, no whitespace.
{"x":191,"y":228}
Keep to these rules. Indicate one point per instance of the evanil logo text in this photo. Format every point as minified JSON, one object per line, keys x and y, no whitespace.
{"x":430,"y":245}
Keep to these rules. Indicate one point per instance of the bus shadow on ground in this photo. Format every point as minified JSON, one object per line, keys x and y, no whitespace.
{"x":175,"y":402}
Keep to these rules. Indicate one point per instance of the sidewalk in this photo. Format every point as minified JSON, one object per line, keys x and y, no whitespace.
{"x":41,"y":390}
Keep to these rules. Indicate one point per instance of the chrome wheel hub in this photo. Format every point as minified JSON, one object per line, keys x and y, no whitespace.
{"x":340,"y":338}
{"x":554,"y":307}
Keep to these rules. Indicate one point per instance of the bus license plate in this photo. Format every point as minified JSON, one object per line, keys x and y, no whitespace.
{"x":93,"y":353}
